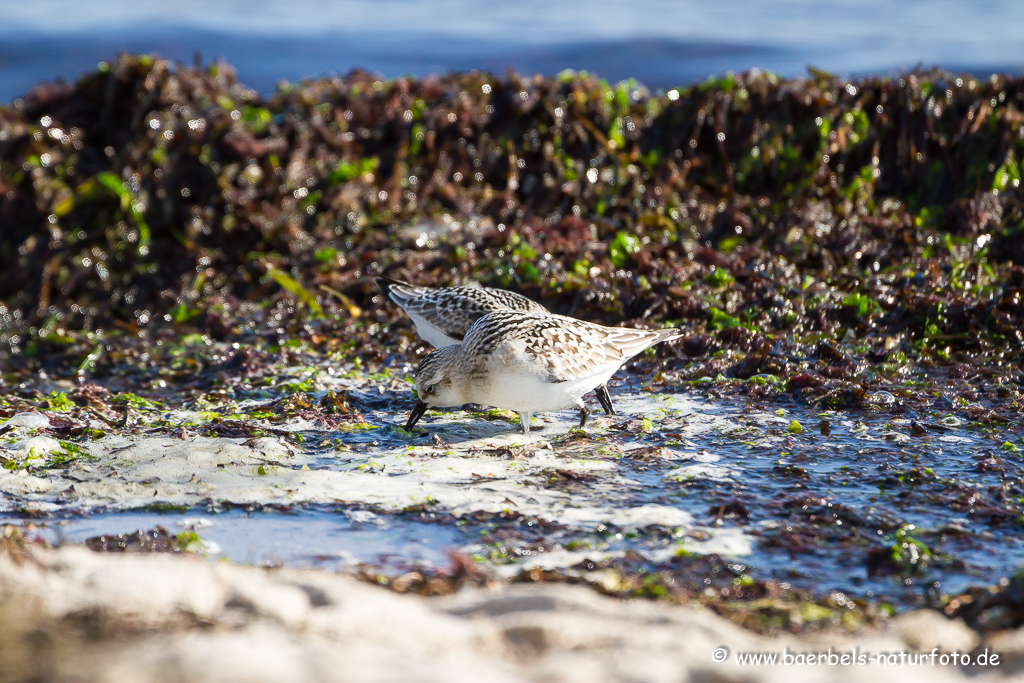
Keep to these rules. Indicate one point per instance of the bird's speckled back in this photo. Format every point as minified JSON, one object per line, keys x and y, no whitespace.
{"x":564,"y":347}
{"x":453,"y":310}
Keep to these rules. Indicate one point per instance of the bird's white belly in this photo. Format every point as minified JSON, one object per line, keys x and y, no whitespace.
{"x":528,"y":392}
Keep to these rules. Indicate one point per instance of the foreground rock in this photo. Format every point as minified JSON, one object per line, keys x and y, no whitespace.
{"x":71,"y":614}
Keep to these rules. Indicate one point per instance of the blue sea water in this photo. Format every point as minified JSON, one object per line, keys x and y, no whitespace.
{"x":659,"y":42}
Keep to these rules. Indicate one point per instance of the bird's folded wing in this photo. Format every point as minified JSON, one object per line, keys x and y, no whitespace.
{"x":568,"y":354}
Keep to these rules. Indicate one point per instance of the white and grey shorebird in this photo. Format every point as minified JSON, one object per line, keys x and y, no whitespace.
{"x":443,"y":315}
{"x":529,"y":363}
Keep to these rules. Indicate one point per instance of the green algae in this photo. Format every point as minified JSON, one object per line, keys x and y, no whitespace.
{"x":58,"y":400}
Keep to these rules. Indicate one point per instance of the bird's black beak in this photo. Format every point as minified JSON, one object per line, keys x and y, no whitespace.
{"x":415,"y":415}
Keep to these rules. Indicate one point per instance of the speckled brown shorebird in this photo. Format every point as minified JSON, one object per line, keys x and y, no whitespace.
{"x":528,"y":362}
{"x":443,"y":316}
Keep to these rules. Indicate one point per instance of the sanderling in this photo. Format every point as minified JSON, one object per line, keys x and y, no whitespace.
{"x":528,"y":362}
{"x":443,"y":316}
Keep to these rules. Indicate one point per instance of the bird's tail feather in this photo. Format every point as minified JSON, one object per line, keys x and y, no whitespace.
{"x":398,"y":291}
{"x":633,"y":342}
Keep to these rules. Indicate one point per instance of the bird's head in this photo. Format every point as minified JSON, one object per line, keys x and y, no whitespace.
{"x":435,"y":385}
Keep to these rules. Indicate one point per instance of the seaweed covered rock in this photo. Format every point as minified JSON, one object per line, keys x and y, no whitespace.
{"x":748,"y":209}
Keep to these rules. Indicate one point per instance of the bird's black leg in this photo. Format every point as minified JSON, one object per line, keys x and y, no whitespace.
{"x":584,"y":414}
{"x":606,"y":401}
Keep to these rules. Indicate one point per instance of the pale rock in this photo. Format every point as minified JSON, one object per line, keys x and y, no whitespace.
{"x":168,"y":618}
{"x":1009,"y":645}
{"x":28,"y":420}
{"x":924,"y":630}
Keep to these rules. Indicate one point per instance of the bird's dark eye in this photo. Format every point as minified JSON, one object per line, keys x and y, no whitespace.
{"x":429,"y":390}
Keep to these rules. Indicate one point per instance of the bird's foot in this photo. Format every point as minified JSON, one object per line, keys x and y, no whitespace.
{"x":584,"y":414}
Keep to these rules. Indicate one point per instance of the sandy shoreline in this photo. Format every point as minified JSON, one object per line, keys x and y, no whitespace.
{"x":74,"y":615}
